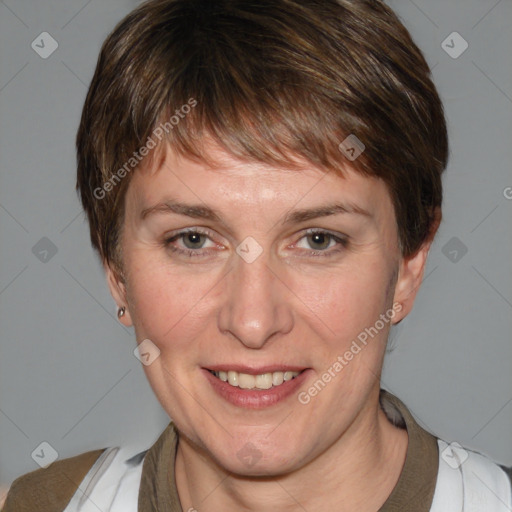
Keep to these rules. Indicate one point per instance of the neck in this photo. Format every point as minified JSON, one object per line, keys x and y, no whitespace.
{"x":358,"y":472}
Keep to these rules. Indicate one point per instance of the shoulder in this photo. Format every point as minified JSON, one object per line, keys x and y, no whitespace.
{"x":51,"y":488}
{"x":87,"y":481}
{"x":470,"y":481}
{"x":105,"y":479}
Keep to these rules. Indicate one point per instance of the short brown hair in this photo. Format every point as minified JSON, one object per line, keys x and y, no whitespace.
{"x":269,"y":79}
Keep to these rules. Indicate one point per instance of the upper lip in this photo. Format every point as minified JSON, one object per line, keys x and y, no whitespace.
{"x":252,"y":370}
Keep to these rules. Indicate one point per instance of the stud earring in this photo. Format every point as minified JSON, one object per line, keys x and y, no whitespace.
{"x":120,"y":312}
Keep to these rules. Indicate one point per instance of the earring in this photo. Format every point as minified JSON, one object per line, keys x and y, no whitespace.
{"x":120,"y":312}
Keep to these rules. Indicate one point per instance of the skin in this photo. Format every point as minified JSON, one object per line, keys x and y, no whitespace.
{"x":286,"y":307}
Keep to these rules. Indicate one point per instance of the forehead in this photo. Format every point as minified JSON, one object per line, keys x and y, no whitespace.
{"x":241,"y":184}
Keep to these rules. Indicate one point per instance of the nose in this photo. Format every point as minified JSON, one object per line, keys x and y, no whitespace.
{"x":256,"y":303}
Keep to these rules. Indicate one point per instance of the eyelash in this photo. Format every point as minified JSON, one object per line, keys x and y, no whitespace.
{"x":191,"y":253}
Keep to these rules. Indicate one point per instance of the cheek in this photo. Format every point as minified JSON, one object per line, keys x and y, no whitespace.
{"x":168,"y":304}
{"x":344,"y":301}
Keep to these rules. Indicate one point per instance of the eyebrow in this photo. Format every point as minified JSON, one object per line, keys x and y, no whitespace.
{"x":198,"y":211}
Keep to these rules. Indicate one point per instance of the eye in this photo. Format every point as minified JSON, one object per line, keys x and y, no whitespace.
{"x":322,"y":242}
{"x":193,"y":240}
{"x":192,"y":243}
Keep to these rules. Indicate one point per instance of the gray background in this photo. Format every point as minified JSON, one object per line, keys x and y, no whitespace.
{"x":67,"y":369}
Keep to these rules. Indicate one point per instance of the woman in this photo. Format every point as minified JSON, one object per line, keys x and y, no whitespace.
{"x":263,"y":184}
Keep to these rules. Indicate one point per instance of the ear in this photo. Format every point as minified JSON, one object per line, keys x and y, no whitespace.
{"x":117,"y":289}
{"x":410,"y":273}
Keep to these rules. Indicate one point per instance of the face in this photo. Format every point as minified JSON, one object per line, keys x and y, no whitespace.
{"x":269,"y":278}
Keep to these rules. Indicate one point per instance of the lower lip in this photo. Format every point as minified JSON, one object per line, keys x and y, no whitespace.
{"x":258,"y":398}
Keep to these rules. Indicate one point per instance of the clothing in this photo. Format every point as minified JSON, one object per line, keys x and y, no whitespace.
{"x":436,"y":477}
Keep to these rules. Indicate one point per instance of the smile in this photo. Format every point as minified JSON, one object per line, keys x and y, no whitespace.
{"x":261,"y":381}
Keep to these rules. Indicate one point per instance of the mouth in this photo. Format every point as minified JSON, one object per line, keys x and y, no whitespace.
{"x":249,"y":381}
{"x":260,"y":388}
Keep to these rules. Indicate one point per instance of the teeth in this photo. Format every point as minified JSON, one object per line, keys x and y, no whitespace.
{"x":233,"y":378}
{"x":277,"y":378}
{"x":262,"y":381}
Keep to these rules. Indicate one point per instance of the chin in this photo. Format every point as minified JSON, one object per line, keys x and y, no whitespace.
{"x":250,"y":460}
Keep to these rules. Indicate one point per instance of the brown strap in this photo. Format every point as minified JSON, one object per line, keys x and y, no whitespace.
{"x":415,"y":488}
{"x":50,"y":489}
{"x":158,"y":489}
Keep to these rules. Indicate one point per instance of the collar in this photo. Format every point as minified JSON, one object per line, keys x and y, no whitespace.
{"x":415,"y":488}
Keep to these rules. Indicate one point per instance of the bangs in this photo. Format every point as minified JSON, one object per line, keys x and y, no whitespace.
{"x":256,"y":95}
